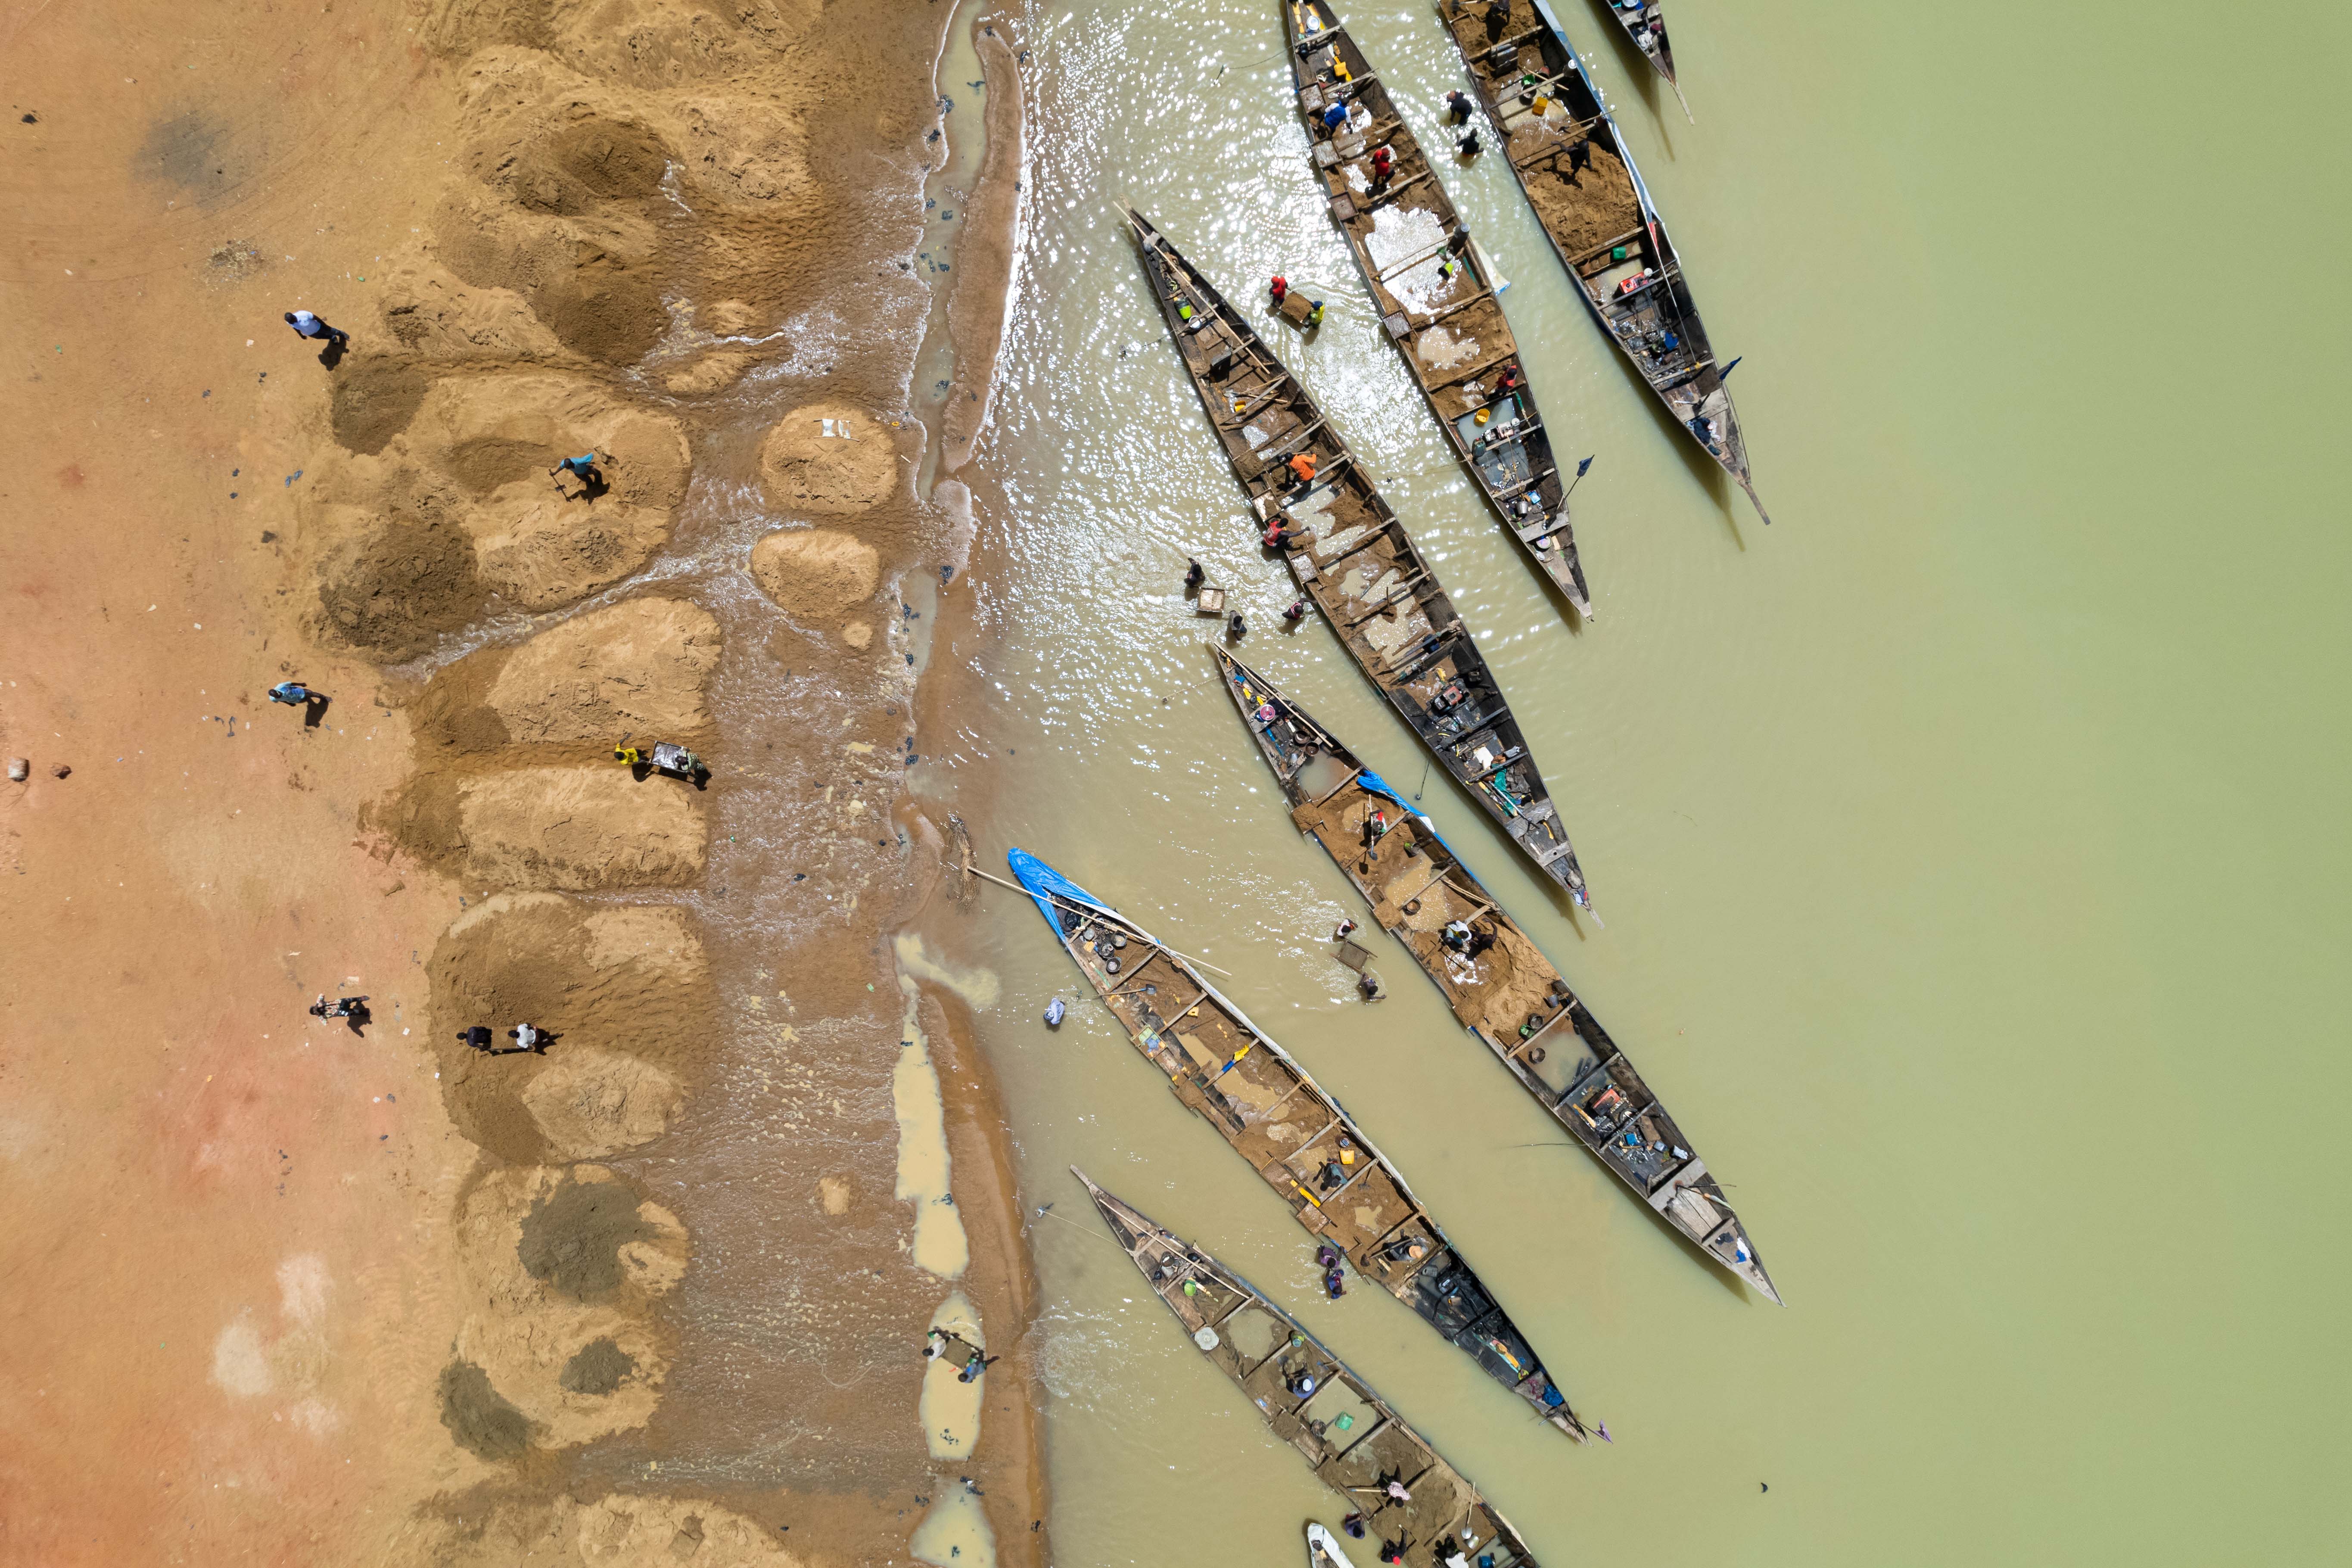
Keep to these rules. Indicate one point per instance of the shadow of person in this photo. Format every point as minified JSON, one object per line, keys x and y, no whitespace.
{"x":358,"y":1019}
{"x":332,"y":354}
{"x":641,"y":772}
{"x":314,"y":709}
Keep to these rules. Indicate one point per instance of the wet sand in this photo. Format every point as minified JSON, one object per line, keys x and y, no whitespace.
{"x":283,"y":1288}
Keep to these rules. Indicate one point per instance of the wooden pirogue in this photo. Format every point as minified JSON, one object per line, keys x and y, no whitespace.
{"x":1355,"y":560}
{"x":1355,"y":1440}
{"x":1435,"y":289}
{"x":1644,"y":23}
{"x":1502,"y":988}
{"x":1294,"y":1135}
{"x":1590,"y":200}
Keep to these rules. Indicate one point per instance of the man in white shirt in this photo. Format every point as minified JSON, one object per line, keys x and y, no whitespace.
{"x":310,"y":326}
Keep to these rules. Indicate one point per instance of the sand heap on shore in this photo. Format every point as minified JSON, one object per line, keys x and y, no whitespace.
{"x":625,"y":991}
{"x":831,"y":459}
{"x":634,"y":670}
{"x":453,"y":503}
{"x":577,"y":827}
{"x":564,"y":1346}
{"x":618,"y":1530}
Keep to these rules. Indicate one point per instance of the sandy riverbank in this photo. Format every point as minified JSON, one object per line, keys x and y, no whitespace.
{"x":285,"y":1288}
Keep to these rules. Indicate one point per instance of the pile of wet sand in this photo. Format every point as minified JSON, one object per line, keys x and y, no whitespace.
{"x":634,"y":670}
{"x":624,"y":990}
{"x":563,"y":1345}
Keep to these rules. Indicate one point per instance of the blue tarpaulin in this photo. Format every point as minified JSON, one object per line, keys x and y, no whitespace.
{"x":1042,"y":879}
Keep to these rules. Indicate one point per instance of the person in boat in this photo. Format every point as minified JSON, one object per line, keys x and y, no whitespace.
{"x":1303,"y":1385}
{"x":1498,"y":20}
{"x":1579,"y":156}
{"x":1302,"y":470}
{"x":1457,"y":108}
{"x":1455,"y":935}
{"x":1281,"y":536}
{"x":1354,"y":1525}
{"x":1297,"y":611}
{"x":1334,"y":116}
{"x":1509,"y":381}
{"x":1194,"y":576}
{"x":1383,"y":169}
{"x":1482,"y":937}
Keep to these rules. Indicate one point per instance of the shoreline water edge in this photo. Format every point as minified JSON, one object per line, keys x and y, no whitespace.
{"x":660,"y":1282}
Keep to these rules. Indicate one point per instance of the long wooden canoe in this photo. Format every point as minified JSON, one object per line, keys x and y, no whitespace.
{"x":1356,"y":561}
{"x":1355,"y":1440}
{"x":1512,"y":999}
{"x":1292,"y":1132}
{"x":1590,"y":202}
{"x":1434,"y":290}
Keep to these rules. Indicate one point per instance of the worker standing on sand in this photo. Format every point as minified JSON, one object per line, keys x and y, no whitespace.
{"x":527,"y":1037}
{"x":583,"y":468}
{"x":293,"y":693}
{"x":975,"y":1366}
{"x":310,"y":326}
{"x":477,"y":1038}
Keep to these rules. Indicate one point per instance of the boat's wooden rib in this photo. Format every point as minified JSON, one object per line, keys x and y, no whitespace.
{"x":1433,"y":289}
{"x":1355,"y":1440}
{"x":1572,"y":165}
{"x":1349,"y":553}
{"x":1512,"y":999}
{"x":1336,"y":1183}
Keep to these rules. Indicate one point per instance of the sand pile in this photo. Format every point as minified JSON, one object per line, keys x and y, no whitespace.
{"x":835,"y":459}
{"x":635,"y":670}
{"x":818,"y":575}
{"x":392,"y":581}
{"x":565,"y":1268}
{"x":1583,"y":207}
{"x":625,"y":989}
{"x":585,"y":825}
{"x":445,"y":500}
{"x":536,"y":545}
{"x":622,"y":1530}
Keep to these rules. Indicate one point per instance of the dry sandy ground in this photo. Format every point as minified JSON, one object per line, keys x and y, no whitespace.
{"x":277,"y":1288}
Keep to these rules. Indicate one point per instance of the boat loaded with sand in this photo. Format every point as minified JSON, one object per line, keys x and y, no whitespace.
{"x":1435,"y":290}
{"x":1511,"y":998}
{"x":1356,"y":1443}
{"x":1590,"y":200}
{"x":1339,"y":1185}
{"x":1355,"y":560}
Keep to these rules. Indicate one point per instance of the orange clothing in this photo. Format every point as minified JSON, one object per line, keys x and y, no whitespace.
{"x":1303,"y":466}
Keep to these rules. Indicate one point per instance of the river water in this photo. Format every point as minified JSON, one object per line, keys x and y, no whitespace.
{"x":1971,"y":841}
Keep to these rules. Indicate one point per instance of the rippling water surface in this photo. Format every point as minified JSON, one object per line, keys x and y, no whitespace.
{"x":1967,"y":840}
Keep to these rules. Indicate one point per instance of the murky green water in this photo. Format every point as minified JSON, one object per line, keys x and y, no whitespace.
{"x":1972,"y":841}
